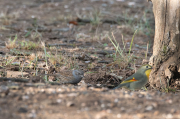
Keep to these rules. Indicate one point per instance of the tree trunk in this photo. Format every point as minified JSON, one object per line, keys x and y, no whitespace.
{"x":166,"y":50}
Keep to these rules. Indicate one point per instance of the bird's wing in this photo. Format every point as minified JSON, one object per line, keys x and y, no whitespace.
{"x":65,"y":78}
{"x":128,"y":80}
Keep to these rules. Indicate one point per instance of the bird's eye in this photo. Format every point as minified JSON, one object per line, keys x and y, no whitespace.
{"x":147,"y":67}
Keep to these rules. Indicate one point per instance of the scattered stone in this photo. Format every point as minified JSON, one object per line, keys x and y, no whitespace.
{"x":22,"y":110}
{"x":116,"y":100}
{"x":25,"y":97}
{"x":72,"y":94}
{"x":109,"y":111}
{"x":83,"y":104}
{"x":103,"y":105}
{"x":70,"y":104}
{"x":141,"y":116}
{"x":101,"y":115}
{"x":149,"y":108}
{"x":119,"y":116}
{"x":32,"y":114}
{"x":58,"y":100}
{"x":169,"y":116}
{"x":87,"y":62}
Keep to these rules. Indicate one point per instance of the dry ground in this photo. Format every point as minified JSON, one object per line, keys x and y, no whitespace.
{"x":45,"y":36}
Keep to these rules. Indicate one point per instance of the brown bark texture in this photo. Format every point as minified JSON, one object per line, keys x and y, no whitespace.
{"x":166,"y":49}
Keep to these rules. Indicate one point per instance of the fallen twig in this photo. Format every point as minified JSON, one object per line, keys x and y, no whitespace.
{"x":13,"y":79}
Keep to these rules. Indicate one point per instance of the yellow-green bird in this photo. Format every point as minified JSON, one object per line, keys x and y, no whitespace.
{"x":137,"y":80}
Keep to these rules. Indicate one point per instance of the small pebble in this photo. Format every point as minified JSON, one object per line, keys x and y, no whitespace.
{"x":22,"y":110}
{"x":70,"y":104}
{"x":149,"y":108}
{"x":25,"y":97}
{"x":118,"y":115}
{"x":169,"y":116}
{"x":58,"y":100}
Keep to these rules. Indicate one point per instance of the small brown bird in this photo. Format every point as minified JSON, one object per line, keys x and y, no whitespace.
{"x":69,"y":76}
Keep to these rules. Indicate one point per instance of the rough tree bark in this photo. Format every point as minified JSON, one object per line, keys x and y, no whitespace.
{"x":166,"y":50}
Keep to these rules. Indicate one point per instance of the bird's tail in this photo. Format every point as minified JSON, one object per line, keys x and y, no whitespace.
{"x":119,"y":86}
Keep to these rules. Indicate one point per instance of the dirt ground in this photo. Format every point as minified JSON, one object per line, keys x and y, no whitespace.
{"x":40,"y":36}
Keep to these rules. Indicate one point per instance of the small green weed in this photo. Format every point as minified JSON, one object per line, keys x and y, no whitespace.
{"x":121,"y":57}
{"x":11,"y":43}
